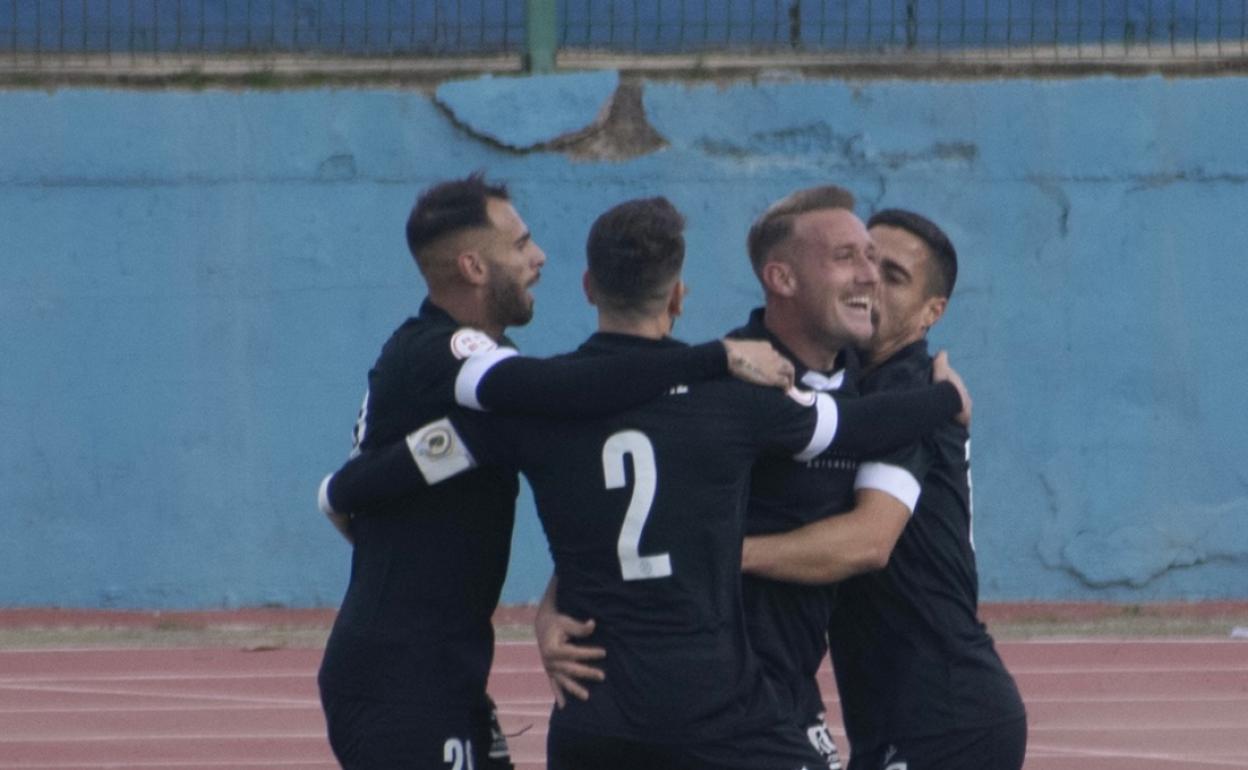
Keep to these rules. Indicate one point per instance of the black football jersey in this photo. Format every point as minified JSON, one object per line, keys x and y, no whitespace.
{"x":415,"y":624}
{"x":910,"y":655}
{"x":788,"y":622}
{"x":644,"y":515}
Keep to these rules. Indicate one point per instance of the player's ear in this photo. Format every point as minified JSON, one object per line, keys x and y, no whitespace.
{"x":472,"y":267}
{"x":587,"y":283}
{"x":676,"y":300}
{"x":778,"y":278}
{"x":933,"y":310}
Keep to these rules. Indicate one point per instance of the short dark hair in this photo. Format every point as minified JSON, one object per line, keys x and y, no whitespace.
{"x":941,"y":280}
{"x":635,"y":250}
{"x":449,"y":207}
{"x":776,"y":223}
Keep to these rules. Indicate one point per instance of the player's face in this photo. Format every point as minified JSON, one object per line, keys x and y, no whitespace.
{"x":515,"y":263}
{"x":834,"y":262}
{"x":904,"y":308}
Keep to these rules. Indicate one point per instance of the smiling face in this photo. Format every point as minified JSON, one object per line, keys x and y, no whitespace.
{"x":833,"y":262}
{"x":907,"y":305}
{"x":515,"y":265}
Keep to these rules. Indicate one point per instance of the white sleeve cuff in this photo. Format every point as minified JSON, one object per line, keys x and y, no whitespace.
{"x":893,"y":479}
{"x":825,"y":428}
{"x":472,"y":371}
{"x":322,"y":497}
{"x":439,"y":451}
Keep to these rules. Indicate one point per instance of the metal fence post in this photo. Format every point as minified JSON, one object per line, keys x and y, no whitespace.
{"x":540,"y":37}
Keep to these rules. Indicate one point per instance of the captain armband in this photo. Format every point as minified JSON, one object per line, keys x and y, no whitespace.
{"x":439,"y":451}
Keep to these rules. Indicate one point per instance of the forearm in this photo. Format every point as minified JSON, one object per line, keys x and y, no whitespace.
{"x":833,"y":548}
{"x":373,"y":480}
{"x":813,"y":554}
{"x":547,"y":612}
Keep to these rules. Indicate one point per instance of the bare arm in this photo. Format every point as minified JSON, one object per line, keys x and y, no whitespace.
{"x":758,"y":362}
{"x":832,"y":548}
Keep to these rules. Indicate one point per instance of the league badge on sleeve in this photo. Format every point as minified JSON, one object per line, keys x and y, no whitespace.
{"x":468,"y":342}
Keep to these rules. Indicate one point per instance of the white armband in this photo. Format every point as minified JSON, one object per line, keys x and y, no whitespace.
{"x":322,"y":497}
{"x":828,"y":416}
{"x":472,"y":371}
{"x":892,"y":479}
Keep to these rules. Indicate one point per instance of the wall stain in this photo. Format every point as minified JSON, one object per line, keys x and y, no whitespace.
{"x":619,"y":132}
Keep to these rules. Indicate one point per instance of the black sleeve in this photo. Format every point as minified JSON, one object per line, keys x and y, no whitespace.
{"x":381,"y":478}
{"x":881,"y":422}
{"x":373,"y":480}
{"x":590,"y":386}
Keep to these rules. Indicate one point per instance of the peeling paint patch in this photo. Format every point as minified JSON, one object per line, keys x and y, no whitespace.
{"x":804,"y":140}
{"x":964,"y":153}
{"x":523,"y":113}
{"x":1136,"y":555}
{"x":1055,"y":192}
{"x":338,"y":167}
{"x":1197,"y":175}
{"x":623,"y":131}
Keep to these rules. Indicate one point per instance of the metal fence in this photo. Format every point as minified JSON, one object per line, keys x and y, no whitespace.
{"x":331,"y":27}
{"x":890,"y":27}
{"x":61,"y":32}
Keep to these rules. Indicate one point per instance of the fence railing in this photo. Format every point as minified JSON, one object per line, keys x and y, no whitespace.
{"x":101,"y":32}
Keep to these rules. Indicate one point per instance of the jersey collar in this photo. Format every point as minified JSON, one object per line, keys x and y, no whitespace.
{"x":811,"y":378}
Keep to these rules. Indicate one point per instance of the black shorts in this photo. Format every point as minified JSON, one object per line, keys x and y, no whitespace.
{"x":779,"y":748}
{"x":377,"y":735}
{"x":1001,"y":747}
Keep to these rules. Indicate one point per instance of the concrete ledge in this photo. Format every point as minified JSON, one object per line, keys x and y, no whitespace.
{"x":522,"y":614}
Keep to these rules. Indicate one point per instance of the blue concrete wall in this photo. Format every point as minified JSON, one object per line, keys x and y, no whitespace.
{"x":193,"y":285}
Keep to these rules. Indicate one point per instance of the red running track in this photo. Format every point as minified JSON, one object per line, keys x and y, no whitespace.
{"x":1093,"y":705}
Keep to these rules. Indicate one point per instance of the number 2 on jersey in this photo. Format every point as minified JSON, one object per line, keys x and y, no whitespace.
{"x":634,"y":566}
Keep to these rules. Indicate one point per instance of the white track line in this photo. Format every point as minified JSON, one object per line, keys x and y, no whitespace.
{"x":176,"y":696}
{"x":184,"y":763}
{"x":162,"y":677}
{"x":1179,"y":760}
{"x":61,"y":739}
{"x":1221,"y":668}
{"x":1109,"y":640}
{"x":1137,"y":699}
{"x":1135,"y":727}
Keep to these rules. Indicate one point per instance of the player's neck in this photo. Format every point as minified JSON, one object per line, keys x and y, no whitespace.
{"x":816,"y":354}
{"x":650,"y":327}
{"x":883,"y":350}
{"x":467,"y":310}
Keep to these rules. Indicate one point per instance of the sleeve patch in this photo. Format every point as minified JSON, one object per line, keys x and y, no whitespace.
{"x":469,"y":342}
{"x":439,"y":451}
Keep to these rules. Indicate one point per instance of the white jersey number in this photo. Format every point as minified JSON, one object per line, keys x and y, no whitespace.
{"x":457,"y":754}
{"x":634,"y":566}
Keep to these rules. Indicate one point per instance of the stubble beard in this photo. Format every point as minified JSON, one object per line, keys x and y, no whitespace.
{"x":510,"y":303}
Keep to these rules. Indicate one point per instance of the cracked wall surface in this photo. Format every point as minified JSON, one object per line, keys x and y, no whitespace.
{"x":194,"y":284}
